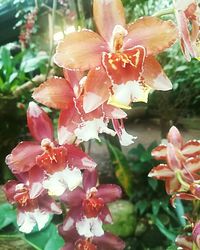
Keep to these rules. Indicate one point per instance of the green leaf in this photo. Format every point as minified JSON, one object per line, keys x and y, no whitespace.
{"x":142,"y":206}
{"x":155,"y":206}
{"x":47,"y":239}
{"x":13,"y":77}
{"x":31,"y":64}
{"x":180,"y":212}
{"x":153,"y":183}
{"x":163,"y":229}
{"x":122,"y":170}
{"x":7,"y":215}
{"x":172,"y":247}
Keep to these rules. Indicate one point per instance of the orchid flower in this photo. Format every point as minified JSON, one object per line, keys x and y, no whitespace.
{"x":126,"y":52}
{"x":188,"y":13}
{"x":88,"y":204}
{"x":182,"y":162}
{"x":75,"y":125}
{"x":34,"y":208}
{"x":62,"y":164}
{"x":107,"y":241}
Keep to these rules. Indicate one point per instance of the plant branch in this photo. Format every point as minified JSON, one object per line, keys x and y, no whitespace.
{"x":169,"y":11}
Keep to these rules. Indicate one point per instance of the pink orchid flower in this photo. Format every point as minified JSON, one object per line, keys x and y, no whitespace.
{"x":88,"y":205}
{"x":188,"y":13}
{"x":62,"y":164}
{"x":34,"y":206}
{"x":126,"y":52}
{"x":182,"y":162}
{"x":74,"y":241}
{"x":75,"y":125}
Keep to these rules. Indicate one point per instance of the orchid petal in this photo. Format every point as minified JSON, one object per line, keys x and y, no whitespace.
{"x":109,"y":241}
{"x":161,"y":172}
{"x":184,"y":242}
{"x":89,"y":179}
{"x":160,"y":152}
{"x":10,"y":190}
{"x":112,"y":112}
{"x":108,"y":14}
{"x":172,"y":185}
{"x":39,"y":123}
{"x":74,"y":198}
{"x":77,"y":158}
{"x":172,"y":158}
{"x":191,"y":148}
{"x":23,"y":156}
{"x":74,"y":77}
{"x":109,"y":192}
{"x":193,"y":164}
{"x":80,"y":50}
{"x":36,"y":176}
{"x":48,"y":204}
{"x":154,"y":76}
{"x":96,"y":89}
{"x":174,"y":137}
{"x":54,"y":93}
{"x":67,"y":123}
{"x":154,"y":34}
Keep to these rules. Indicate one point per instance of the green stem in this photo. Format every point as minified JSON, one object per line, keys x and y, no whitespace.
{"x":169,"y":11}
{"x":51,"y":33}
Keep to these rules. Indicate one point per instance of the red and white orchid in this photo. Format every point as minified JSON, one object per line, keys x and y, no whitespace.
{"x":88,"y":204}
{"x":188,"y":14}
{"x":34,"y":205}
{"x":75,"y":125}
{"x":126,"y":52}
{"x":62,"y":164}
{"x":182,"y":162}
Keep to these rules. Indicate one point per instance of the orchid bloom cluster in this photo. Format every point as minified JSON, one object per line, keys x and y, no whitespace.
{"x":181,"y":176}
{"x":104,"y":72}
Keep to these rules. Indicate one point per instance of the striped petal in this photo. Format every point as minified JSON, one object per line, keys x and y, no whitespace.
{"x":191,"y":148}
{"x":152,"y":33}
{"x":80,"y":50}
{"x":108,"y":14}
{"x":172,"y":185}
{"x":161,"y":172}
{"x":54,"y":93}
{"x":160,"y":152}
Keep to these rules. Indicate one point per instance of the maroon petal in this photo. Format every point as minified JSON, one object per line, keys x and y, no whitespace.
{"x":46,"y":203}
{"x":9,"y":189}
{"x":191,"y":148}
{"x":36,"y":176}
{"x":109,"y":242}
{"x":184,"y":242}
{"x":160,"y":152}
{"x":23,"y":157}
{"x":68,"y":246}
{"x":105,"y":215}
{"x":109,"y":192}
{"x":89,"y":179}
{"x":39,"y":123}
{"x":77,"y":158}
{"x":172,"y":185}
{"x":74,"y":198}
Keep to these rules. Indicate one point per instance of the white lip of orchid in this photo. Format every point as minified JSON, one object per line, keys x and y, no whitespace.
{"x":90,"y":227}
{"x":57,"y":183}
{"x":46,"y":143}
{"x":118,"y":34}
{"x":19,"y":186}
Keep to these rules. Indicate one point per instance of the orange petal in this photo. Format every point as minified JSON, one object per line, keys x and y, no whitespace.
{"x":96,"y":89}
{"x":152,"y":33}
{"x":80,"y":50}
{"x":54,"y":93}
{"x":108,"y":14}
{"x":154,"y":76}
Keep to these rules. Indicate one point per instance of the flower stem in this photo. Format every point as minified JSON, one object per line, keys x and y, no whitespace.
{"x":169,"y":11}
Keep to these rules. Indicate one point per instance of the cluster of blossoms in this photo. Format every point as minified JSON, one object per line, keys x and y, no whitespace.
{"x":27,"y":28}
{"x":104,"y":73}
{"x":181,"y":176}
